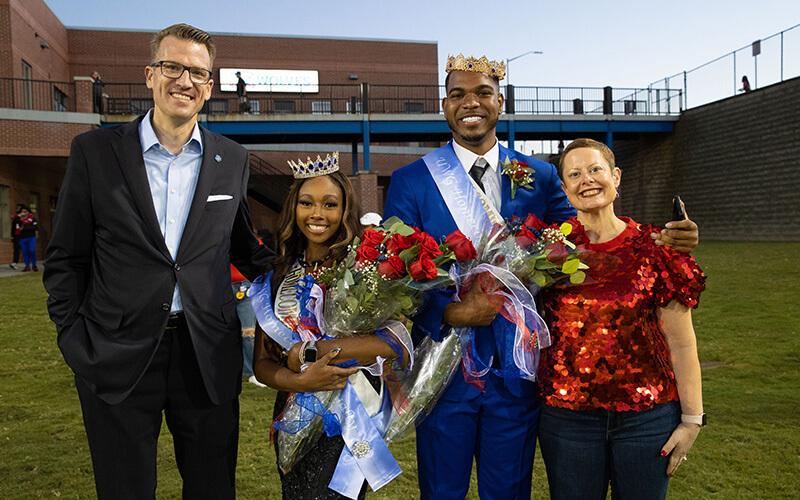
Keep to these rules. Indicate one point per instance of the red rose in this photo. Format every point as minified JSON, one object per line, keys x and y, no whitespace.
{"x":428,"y":245}
{"x":461,"y":246}
{"x":533,"y":222}
{"x":520,"y":164}
{"x":366,"y":253}
{"x":558,"y":254}
{"x":372,"y":237}
{"x":424,"y":268}
{"x":519,"y":174}
{"x":525,"y":237}
{"x":397,"y":243}
{"x":392,"y":268}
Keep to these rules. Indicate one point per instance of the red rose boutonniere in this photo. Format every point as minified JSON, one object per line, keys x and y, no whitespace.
{"x":519,"y":173}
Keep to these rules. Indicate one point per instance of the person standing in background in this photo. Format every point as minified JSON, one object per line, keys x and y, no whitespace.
{"x":16,"y":227}
{"x":27,"y":238}
{"x":97,"y":93}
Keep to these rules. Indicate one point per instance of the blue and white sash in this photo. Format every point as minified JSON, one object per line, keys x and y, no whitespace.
{"x":469,"y":206}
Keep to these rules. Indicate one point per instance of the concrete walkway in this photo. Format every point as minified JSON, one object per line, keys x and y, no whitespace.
{"x":6,"y":271}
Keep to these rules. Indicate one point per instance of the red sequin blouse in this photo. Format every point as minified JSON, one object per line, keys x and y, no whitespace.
{"x":608,"y":351}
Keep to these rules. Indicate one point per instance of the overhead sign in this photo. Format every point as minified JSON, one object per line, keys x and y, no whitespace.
{"x":270,"y":80}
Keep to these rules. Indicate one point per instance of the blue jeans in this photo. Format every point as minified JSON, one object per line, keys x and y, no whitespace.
{"x":28,"y":247}
{"x":585,"y":450}
{"x":247,"y":317}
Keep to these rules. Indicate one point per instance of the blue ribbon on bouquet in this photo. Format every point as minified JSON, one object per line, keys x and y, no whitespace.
{"x":365,"y":455}
{"x":311,"y":407}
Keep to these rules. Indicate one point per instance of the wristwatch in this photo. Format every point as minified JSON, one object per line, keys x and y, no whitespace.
{"x":308,"y":352}
{"x":694,"y":419}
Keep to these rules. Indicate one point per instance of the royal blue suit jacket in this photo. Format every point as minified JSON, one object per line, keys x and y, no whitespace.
{"x":414,"y":198}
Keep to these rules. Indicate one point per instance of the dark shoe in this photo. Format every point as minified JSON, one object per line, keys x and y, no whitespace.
{"x":26,"y":270}
{"x":36,"y":269}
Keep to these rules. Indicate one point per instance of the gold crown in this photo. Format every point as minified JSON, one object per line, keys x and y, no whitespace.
{"x":492,"y":69}
{"x":304,"y":169}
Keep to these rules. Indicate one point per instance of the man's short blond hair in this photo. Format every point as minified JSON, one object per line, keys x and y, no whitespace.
{"x":183,"y":32}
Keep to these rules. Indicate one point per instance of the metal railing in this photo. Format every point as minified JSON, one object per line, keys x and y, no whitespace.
{"x":415,"y":99}
{"x":764,"y":62}
{"x":39,"y":95}
{"x":136,"y":99}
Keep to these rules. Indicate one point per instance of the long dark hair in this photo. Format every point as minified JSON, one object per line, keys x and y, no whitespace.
{"x":291,"y":242}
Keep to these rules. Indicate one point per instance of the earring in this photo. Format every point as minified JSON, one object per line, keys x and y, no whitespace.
{"x":617,"y":193}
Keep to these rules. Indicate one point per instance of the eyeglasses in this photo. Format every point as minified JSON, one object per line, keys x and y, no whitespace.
{"x":199,"y":76}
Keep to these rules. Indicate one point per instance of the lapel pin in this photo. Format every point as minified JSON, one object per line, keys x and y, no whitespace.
{"x":218,"y":158}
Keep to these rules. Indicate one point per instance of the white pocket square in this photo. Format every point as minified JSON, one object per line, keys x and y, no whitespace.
{"x":218,"y":197}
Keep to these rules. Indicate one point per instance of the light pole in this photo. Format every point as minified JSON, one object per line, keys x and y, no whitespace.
{"x":508,"y":62}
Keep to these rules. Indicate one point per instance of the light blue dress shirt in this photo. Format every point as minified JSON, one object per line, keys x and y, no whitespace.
{"x":172,"y":179}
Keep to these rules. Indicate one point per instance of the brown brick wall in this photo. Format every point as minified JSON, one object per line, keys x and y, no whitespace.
{"x":120,"y":57}
{"x":35,"y":138}
{"x":28,"y":19}
{"x":734,"y":162}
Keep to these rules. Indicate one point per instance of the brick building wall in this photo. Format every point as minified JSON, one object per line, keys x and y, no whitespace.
{"x":734,"y":162}
{"x":120,"y":57}
{"x":23,"y":26}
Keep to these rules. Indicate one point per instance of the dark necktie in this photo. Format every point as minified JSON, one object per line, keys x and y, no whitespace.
{"x":477,"y":171}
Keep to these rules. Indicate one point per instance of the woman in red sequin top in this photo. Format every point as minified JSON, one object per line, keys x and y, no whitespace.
{"x":621,"y":381}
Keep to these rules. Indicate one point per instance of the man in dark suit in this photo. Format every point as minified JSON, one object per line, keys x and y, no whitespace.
{"x":149,"y":217}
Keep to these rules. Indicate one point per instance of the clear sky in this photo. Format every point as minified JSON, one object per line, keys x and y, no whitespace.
{"x":585,"y":43}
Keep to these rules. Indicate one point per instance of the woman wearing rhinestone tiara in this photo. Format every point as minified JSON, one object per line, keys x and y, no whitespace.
{"x":621,"y":381}
{"x":319,"y":219}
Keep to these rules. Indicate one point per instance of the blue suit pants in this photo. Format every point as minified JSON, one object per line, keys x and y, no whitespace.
{"x":497,"y":428}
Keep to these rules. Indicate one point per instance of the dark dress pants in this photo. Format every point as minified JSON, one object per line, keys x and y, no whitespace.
{"x":123,"y":436}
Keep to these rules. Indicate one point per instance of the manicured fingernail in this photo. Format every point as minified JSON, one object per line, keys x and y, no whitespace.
{"x":668,"y":224}
{"x":663,"y":453}
{"x":336,"y":350}
{"x":669,"y":475}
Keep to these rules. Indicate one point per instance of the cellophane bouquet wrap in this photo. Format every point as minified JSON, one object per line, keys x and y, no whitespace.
{"x":514,"y":260}
{"x":374,"y":289}
{"x":537,"y":253}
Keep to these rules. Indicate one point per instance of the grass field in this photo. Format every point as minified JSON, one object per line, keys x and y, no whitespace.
{"x":748,"y":328}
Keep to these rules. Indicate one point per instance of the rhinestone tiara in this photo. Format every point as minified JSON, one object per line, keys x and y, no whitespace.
{"x":304,"y":169}
{"x":489,"y":68}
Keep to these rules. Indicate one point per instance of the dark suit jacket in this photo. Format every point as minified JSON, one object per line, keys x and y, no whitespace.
{"x":414,"y":198}
{"x":111,"y":278}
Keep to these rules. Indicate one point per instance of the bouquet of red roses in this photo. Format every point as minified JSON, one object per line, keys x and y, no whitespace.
{"x":384,"y":275}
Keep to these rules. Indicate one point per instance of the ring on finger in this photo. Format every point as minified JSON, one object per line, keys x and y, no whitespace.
{"x":684,"y":459}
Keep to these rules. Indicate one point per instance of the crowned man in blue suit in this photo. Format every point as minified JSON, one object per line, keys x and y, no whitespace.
{"x":496,"y":424}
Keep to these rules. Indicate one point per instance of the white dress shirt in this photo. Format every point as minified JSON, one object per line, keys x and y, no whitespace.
{"x":491,"y":177}
{"x":173,"y":179}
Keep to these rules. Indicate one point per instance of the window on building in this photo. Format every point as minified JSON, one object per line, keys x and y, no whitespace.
{"x":59,"y":100}
{"x":284,"y":107}
{"x":53,"y":203}
{"x":5,"y":213}
{"x":354,"y":104}
{"x":33,"y":203}
{"x":27,"y":86}
{"x":321,"y":107}
{"x":141,"y":106}
{"x":414,"y":108}
{"x":217,"y":107}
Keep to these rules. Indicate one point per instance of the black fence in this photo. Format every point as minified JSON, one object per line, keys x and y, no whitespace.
{"x":39,"y":95}
{"x":136,"y":99}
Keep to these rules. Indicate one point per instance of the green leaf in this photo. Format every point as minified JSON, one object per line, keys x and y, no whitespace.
{"x":577,"y":277}
{"x":570,"y":266}
{"x":539,"y":278}
{"x":513,"y":189}
{"x":348,"y":278}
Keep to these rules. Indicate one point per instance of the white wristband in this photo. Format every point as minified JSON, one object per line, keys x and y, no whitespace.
{"x":694,"y":419}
